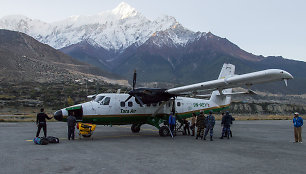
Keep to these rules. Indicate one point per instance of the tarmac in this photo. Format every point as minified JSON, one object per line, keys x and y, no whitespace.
{"x":256,"y":147}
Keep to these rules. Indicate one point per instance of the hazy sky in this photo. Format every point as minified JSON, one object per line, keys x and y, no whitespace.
{"x":262,"y":27}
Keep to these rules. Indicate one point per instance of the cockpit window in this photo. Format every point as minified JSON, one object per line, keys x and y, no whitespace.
{"x":106,"y":101}
{"x":98,"y":98}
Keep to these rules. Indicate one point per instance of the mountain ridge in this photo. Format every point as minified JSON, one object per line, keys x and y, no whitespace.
{"x":24,"y":59}
{"x":162,"y":50}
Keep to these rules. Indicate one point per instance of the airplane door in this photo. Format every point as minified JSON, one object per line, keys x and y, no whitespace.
{"x":77,"y":111}
{"x":104,"y":106}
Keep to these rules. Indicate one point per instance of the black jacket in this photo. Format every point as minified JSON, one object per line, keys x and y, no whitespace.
{"x":41,"y":118}
{"x":71,"y":121}
{"x":227,"y":120}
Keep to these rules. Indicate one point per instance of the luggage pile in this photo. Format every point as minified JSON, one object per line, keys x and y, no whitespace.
{"x":86,"y":129}
{"x":45,"y":141}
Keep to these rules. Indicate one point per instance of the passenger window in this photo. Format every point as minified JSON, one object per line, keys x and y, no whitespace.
{"x":122,"y":104}
{"x":106,"y":101}
{"x":130,"y":104}
{"x":178,"y":103}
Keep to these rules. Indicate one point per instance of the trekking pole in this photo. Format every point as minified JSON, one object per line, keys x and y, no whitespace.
{"x":170,"y":131}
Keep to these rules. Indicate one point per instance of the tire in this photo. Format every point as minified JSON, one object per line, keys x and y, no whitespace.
{"x":164,"y":131}
{"x":135,"y":128}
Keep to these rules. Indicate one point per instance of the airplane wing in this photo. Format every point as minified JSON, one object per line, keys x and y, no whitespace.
{"x":247,"y":80}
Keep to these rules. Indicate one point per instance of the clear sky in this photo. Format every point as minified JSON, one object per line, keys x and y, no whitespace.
{"x":262,"y":27}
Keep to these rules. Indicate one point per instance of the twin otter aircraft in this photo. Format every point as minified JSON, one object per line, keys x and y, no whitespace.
{"x":153,"y":105}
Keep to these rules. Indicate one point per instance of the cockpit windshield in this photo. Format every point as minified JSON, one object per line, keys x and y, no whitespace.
{"x":99,"y":98}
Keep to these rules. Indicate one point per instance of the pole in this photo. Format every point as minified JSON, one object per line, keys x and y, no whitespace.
{"x":170,"y":131}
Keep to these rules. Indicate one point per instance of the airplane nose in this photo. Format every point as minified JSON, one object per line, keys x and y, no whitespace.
{"x":58,"y":115}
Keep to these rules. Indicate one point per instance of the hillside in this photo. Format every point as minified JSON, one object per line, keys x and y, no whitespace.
{"x":23,"y":59}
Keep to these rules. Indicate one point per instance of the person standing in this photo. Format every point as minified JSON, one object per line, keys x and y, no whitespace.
{"x":41,"y":122}
{"x":186,"y":127}
{"x":71,"y":122}
{"x":227,"y":120}
{"x":193,"y":123}
{"x":298,"y":123}
{"x":210,"y":123}
{"x":172,"y":123}
{"x":200,"y":124}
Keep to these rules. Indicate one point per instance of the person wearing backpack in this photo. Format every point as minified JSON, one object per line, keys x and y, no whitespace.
{"x":41,"y":122}
{"x":210,"y":123}
{"x":71,"y":122}
{"x":227,"y":120}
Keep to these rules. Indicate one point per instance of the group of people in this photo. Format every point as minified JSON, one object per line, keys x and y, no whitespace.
{"x":203,"y":124}
{"x":207,"y":123}
{"x":41,"y":123}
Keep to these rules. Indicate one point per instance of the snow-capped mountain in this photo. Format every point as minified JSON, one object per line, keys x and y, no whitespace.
{"x":115,"y":30}
{"x":162,"y":50}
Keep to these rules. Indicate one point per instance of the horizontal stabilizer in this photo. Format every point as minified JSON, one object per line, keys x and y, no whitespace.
{"x":249,"y":92}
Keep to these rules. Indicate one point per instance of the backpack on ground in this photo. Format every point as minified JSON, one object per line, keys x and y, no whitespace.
{"x":53,"y":139}
{"x":37,"y":140}
{"x":44,"y":141}
{"x":41,"y":141}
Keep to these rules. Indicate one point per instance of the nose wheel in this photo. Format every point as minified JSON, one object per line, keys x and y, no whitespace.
{"x":135,"y":128}
{"x":164,"y":131}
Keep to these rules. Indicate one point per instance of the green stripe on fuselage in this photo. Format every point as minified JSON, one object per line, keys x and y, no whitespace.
{"x":140,"y":118}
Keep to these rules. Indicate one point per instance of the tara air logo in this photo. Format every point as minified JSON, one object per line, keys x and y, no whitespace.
{"x":127,"y":111}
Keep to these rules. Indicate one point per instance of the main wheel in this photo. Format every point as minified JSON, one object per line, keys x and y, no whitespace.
{"x":164,"y":131}
{"x":135,"y":128}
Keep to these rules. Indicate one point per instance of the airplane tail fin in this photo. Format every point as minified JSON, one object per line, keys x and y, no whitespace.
{"x":218,"y":96}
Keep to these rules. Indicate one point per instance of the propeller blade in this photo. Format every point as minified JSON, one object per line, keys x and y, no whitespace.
{"x":134,"y":79}
{"x":128,"y":98}
{"x":139,"y":100}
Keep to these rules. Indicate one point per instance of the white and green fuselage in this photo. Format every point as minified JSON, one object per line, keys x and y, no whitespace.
{"x":110,"y":109}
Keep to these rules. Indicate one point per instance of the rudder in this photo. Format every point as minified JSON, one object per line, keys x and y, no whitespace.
{"x":228,"y":70}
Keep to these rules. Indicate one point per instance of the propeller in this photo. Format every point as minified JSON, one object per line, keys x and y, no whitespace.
{"x":133,"y":92}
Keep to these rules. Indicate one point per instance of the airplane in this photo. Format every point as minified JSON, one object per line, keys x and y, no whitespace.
{"x":154,"y":105}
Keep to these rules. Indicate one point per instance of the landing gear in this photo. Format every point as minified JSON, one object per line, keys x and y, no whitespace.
{"x":135,"y":128}
{"x":164,"y":131}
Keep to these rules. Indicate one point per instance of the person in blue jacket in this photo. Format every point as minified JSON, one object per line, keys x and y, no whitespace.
{"x":298,"y":123}
{"x":172,"y":123}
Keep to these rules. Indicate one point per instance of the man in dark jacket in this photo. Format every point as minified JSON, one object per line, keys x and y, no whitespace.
{"x":227,"y":120}
{"x":210,"y":123}
{"x":41,"y":122}
{"x":71,"y":122}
